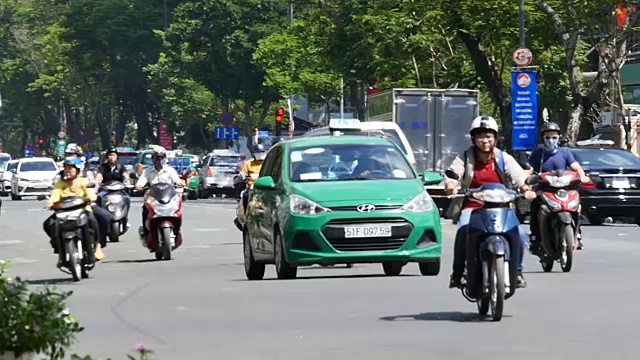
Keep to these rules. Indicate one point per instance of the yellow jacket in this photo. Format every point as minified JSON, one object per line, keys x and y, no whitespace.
{"x":63,"y":189}
{"x":251,"y":170}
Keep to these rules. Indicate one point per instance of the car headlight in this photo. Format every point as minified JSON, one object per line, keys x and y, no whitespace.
{"x":21,"y":179}
{"x":420,"y":203}
{"x":302,"y":206}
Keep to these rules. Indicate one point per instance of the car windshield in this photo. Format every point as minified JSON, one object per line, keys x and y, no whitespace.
{"x":37,"y":166}
{"x":12,"y":165}
{"x":127,"y":159}
{"x":348,"y":162}
{"x":146,"y":159}
{"x":606,"y":158}
{"x":224,"y":160}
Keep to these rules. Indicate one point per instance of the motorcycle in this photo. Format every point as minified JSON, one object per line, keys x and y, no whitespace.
{"x":239,"y":221}
{"x":114,"y":202}
{"x":558,"y":217}
{"x":73,"y":236}
{"x":164,"y":219}
{"x":493,"y":245}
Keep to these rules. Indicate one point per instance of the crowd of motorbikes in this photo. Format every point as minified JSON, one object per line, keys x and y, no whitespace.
{"x":493,"y":236}
{"x":162,"y":201}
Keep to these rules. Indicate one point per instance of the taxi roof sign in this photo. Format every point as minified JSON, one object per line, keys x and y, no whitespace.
{"x":344,"y":124}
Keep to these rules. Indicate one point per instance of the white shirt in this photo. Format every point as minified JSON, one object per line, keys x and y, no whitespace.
{"x":152,"y":176}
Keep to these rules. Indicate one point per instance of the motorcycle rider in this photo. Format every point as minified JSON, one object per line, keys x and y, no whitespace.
{"x":550,"y":157}
{"x":72,"y":184}
{"x":251,"y":170}
{"x":111,"y":170}
{"x":160,"y":172}
{"x":483,"y":164}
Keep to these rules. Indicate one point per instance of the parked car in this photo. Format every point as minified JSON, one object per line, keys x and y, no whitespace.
{"x":5,"y":177}
{"x":614,"y":190}
{"x":33,"y":177}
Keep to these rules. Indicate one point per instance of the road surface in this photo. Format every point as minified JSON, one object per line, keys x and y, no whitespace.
{"x":200,"y":306}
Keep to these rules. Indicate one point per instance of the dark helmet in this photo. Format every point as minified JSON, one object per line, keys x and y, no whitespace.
{"x":112,"y":150}
{"x":549,"y":126}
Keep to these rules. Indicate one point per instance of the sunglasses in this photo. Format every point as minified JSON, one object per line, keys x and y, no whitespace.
{"x":552,"y":137}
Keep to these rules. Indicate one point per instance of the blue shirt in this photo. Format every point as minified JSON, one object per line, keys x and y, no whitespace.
{"x":550,"y":162}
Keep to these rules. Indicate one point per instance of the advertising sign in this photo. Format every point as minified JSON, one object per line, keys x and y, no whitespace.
{"x":524,"y":110}
{"x":165,"y":137}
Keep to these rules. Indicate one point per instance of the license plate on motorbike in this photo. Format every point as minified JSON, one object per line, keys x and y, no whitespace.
{"x":620,"y":183}
{"x":367,"y":231}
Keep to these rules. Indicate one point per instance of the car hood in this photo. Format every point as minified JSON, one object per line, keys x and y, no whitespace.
{"x":38,"y":175}
{"x":345,"y":193}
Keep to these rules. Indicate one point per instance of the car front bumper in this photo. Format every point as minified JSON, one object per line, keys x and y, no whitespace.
{"x":320,"y":239}
{"x":621,"y":205}
{"x":33,"y":188}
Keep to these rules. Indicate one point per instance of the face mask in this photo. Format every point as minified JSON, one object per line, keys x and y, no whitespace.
{"x":551,"y":145}
{"x":158,"y":162}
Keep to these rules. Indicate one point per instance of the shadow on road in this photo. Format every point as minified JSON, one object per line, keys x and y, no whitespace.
{"x":55,"y":281}
{"x":134,"y":261}
{"x":320,"y":277}
{"x":453,"y":316}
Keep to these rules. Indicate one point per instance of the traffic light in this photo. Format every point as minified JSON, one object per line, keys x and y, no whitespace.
{"x":279,"y":116}
{"x":40,"y":143}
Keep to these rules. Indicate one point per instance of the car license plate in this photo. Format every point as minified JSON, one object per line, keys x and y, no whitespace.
{"x":367,"y":231}
{"x":41,"y":186}
{"x":620,"y":183}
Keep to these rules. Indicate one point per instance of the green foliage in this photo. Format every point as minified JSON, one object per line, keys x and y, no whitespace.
{"x":34,"y":321}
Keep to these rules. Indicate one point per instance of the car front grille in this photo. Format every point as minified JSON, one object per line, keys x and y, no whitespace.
{"x":334,"y":232}
{"x":355,"y":208}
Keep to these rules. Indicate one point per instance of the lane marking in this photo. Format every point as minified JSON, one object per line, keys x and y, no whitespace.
{"x":10,"y":242}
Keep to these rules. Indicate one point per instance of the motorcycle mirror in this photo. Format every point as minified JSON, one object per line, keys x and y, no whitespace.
{"x":524,"y":165}
{"x":532,"y":180}
{"x":451,"y":175}
{"x":91,"y":185}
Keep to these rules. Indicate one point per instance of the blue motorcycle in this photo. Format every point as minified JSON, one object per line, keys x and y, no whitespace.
{"x":493,"y":245}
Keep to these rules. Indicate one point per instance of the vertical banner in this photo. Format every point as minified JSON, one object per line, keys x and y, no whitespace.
{"x":165,"y":137}
{"x":524,"y":110}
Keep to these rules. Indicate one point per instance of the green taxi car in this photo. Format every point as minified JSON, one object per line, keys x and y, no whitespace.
{"x":340,"y":200}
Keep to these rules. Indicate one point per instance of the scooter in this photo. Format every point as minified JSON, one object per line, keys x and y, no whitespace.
{"x":493,"y":245}
{"x":164,"y":208}
{"x":239,"y":221}
{"x":114,"y":202}
{"x":558,"y":217}
{"x":73,"y":236}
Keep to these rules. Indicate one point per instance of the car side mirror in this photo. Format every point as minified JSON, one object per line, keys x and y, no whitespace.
{"x":13,"y":171}
{"x":264,"y":183}
{"x":431,"y":178}
{"x":532,"y":180}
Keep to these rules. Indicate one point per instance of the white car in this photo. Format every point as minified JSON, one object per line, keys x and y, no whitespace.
{"x":33,"y":177}
{"x":6,"y":176}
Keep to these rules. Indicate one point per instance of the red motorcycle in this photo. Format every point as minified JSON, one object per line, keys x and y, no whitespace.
{"x":558,"y":217}
{"x":164,"y":219}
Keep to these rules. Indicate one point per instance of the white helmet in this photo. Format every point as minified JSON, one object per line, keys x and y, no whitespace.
{"x":483,"y":122}
{"x":159,"y":151}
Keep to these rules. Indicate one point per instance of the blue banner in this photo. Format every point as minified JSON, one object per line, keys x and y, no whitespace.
{"x":524,"y":110}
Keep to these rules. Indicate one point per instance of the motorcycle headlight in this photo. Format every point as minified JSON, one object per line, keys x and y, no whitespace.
{"x":302,"y":206}
{"x":112,"y":208}
{"x":421,"y":203}
{"x":552,"y":203}
{"x":495,"y":196}
{"x":573,"y":204}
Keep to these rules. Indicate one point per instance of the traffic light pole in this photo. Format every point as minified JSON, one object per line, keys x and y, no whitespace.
{"x":521,"y":24}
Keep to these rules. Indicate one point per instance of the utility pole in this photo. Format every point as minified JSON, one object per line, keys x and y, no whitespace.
{"x":165,"y":15}
{"x":341,"y":97}
{"x":290,"y":100}
{"x":521,"y":25}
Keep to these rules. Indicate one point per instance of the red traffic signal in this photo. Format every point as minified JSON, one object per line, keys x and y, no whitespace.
{"x":279,"y":114}
{"x":40,"y":141}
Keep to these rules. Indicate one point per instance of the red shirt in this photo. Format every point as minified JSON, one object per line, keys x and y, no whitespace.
{"x":484,"y":173}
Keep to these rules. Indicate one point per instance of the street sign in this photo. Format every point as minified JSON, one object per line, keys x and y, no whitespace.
{"x":226,"y":119}
{"x":226,"y":133}
{"x":60,"y":147}
{"x":522,"y":57}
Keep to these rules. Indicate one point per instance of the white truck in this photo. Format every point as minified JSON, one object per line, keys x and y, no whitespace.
{"x":435,"y":121}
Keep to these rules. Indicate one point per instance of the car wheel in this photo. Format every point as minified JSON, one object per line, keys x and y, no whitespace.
{"x":595,"y":220}
{"x":253,"y":269}
{"x":430,"y":268}
{"x":15,"y":197}
{"x":392,"y":268}
{"x":284,"y":270}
